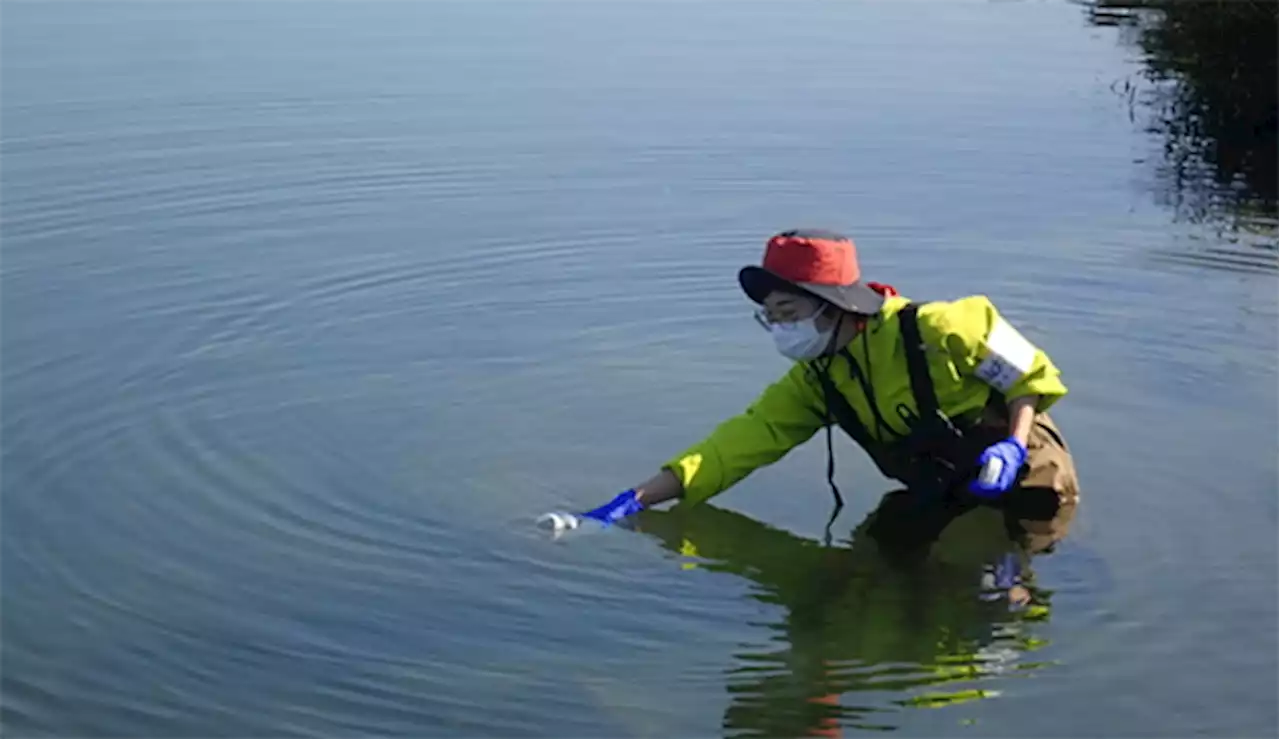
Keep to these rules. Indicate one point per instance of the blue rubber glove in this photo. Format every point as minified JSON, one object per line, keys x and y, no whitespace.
{"x":623,"y":505}
{"x":999,"y":466}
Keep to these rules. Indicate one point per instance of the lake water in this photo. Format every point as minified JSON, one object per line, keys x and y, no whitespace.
{"x":309,"y":309}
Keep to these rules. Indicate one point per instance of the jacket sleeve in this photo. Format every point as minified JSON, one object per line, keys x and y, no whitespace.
{"x":985,"y":346}
{"x":784,"y":416}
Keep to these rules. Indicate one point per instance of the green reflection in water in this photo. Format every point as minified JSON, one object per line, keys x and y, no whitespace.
{"x":858,"y":640}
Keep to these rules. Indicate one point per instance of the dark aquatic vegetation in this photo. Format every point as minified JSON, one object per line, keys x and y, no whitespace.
{"x":1208,"y":90}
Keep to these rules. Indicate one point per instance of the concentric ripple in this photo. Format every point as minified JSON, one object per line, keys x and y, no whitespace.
{"x":309,"y":309}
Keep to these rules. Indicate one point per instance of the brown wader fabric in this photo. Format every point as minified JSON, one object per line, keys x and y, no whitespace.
{"x":1037,"y":512}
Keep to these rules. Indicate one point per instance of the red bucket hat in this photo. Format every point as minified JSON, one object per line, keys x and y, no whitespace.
{"x":821,"y":263}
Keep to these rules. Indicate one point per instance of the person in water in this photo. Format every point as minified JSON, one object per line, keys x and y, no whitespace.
{"x":946,"y":397}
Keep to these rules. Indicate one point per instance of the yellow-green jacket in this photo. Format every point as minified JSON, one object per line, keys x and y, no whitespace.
{"x":973,"y":357}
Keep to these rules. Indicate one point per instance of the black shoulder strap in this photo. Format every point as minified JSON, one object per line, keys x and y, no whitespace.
{"x":917,"y":363}
{"x":917,"y":370}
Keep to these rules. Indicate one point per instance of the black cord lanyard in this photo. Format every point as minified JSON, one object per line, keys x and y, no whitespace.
{"x":883,"y":430}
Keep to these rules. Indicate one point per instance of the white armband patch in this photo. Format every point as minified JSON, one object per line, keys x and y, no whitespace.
{"x":1009,"y":357}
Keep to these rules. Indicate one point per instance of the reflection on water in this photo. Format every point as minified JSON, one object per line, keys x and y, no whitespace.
{"x":859,"y":640}
{"x":309,"y":308}
{"x":1208,"y":90}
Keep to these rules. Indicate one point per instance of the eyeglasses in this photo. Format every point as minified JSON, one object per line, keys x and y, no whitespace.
{"x":789,"y":314}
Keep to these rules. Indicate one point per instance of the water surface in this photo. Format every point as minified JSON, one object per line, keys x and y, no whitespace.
{"x":310,"y":308}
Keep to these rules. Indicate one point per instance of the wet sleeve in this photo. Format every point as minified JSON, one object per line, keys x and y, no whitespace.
{"x":986,"y":346}
{"x":784,"y":416}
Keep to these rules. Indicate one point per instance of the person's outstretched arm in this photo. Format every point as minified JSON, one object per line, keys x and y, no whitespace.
{"x":784,"y":416}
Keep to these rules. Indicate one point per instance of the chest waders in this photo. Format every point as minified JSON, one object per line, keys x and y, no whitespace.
{"x":936,"y":454}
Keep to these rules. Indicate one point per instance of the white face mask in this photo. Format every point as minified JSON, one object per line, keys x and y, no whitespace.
{"x":801,"y":339}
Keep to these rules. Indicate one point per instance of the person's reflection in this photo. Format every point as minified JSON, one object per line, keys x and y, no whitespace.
{"x":855,"y":621}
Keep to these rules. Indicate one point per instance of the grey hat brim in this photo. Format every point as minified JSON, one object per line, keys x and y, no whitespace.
{"x":757,"y":282}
